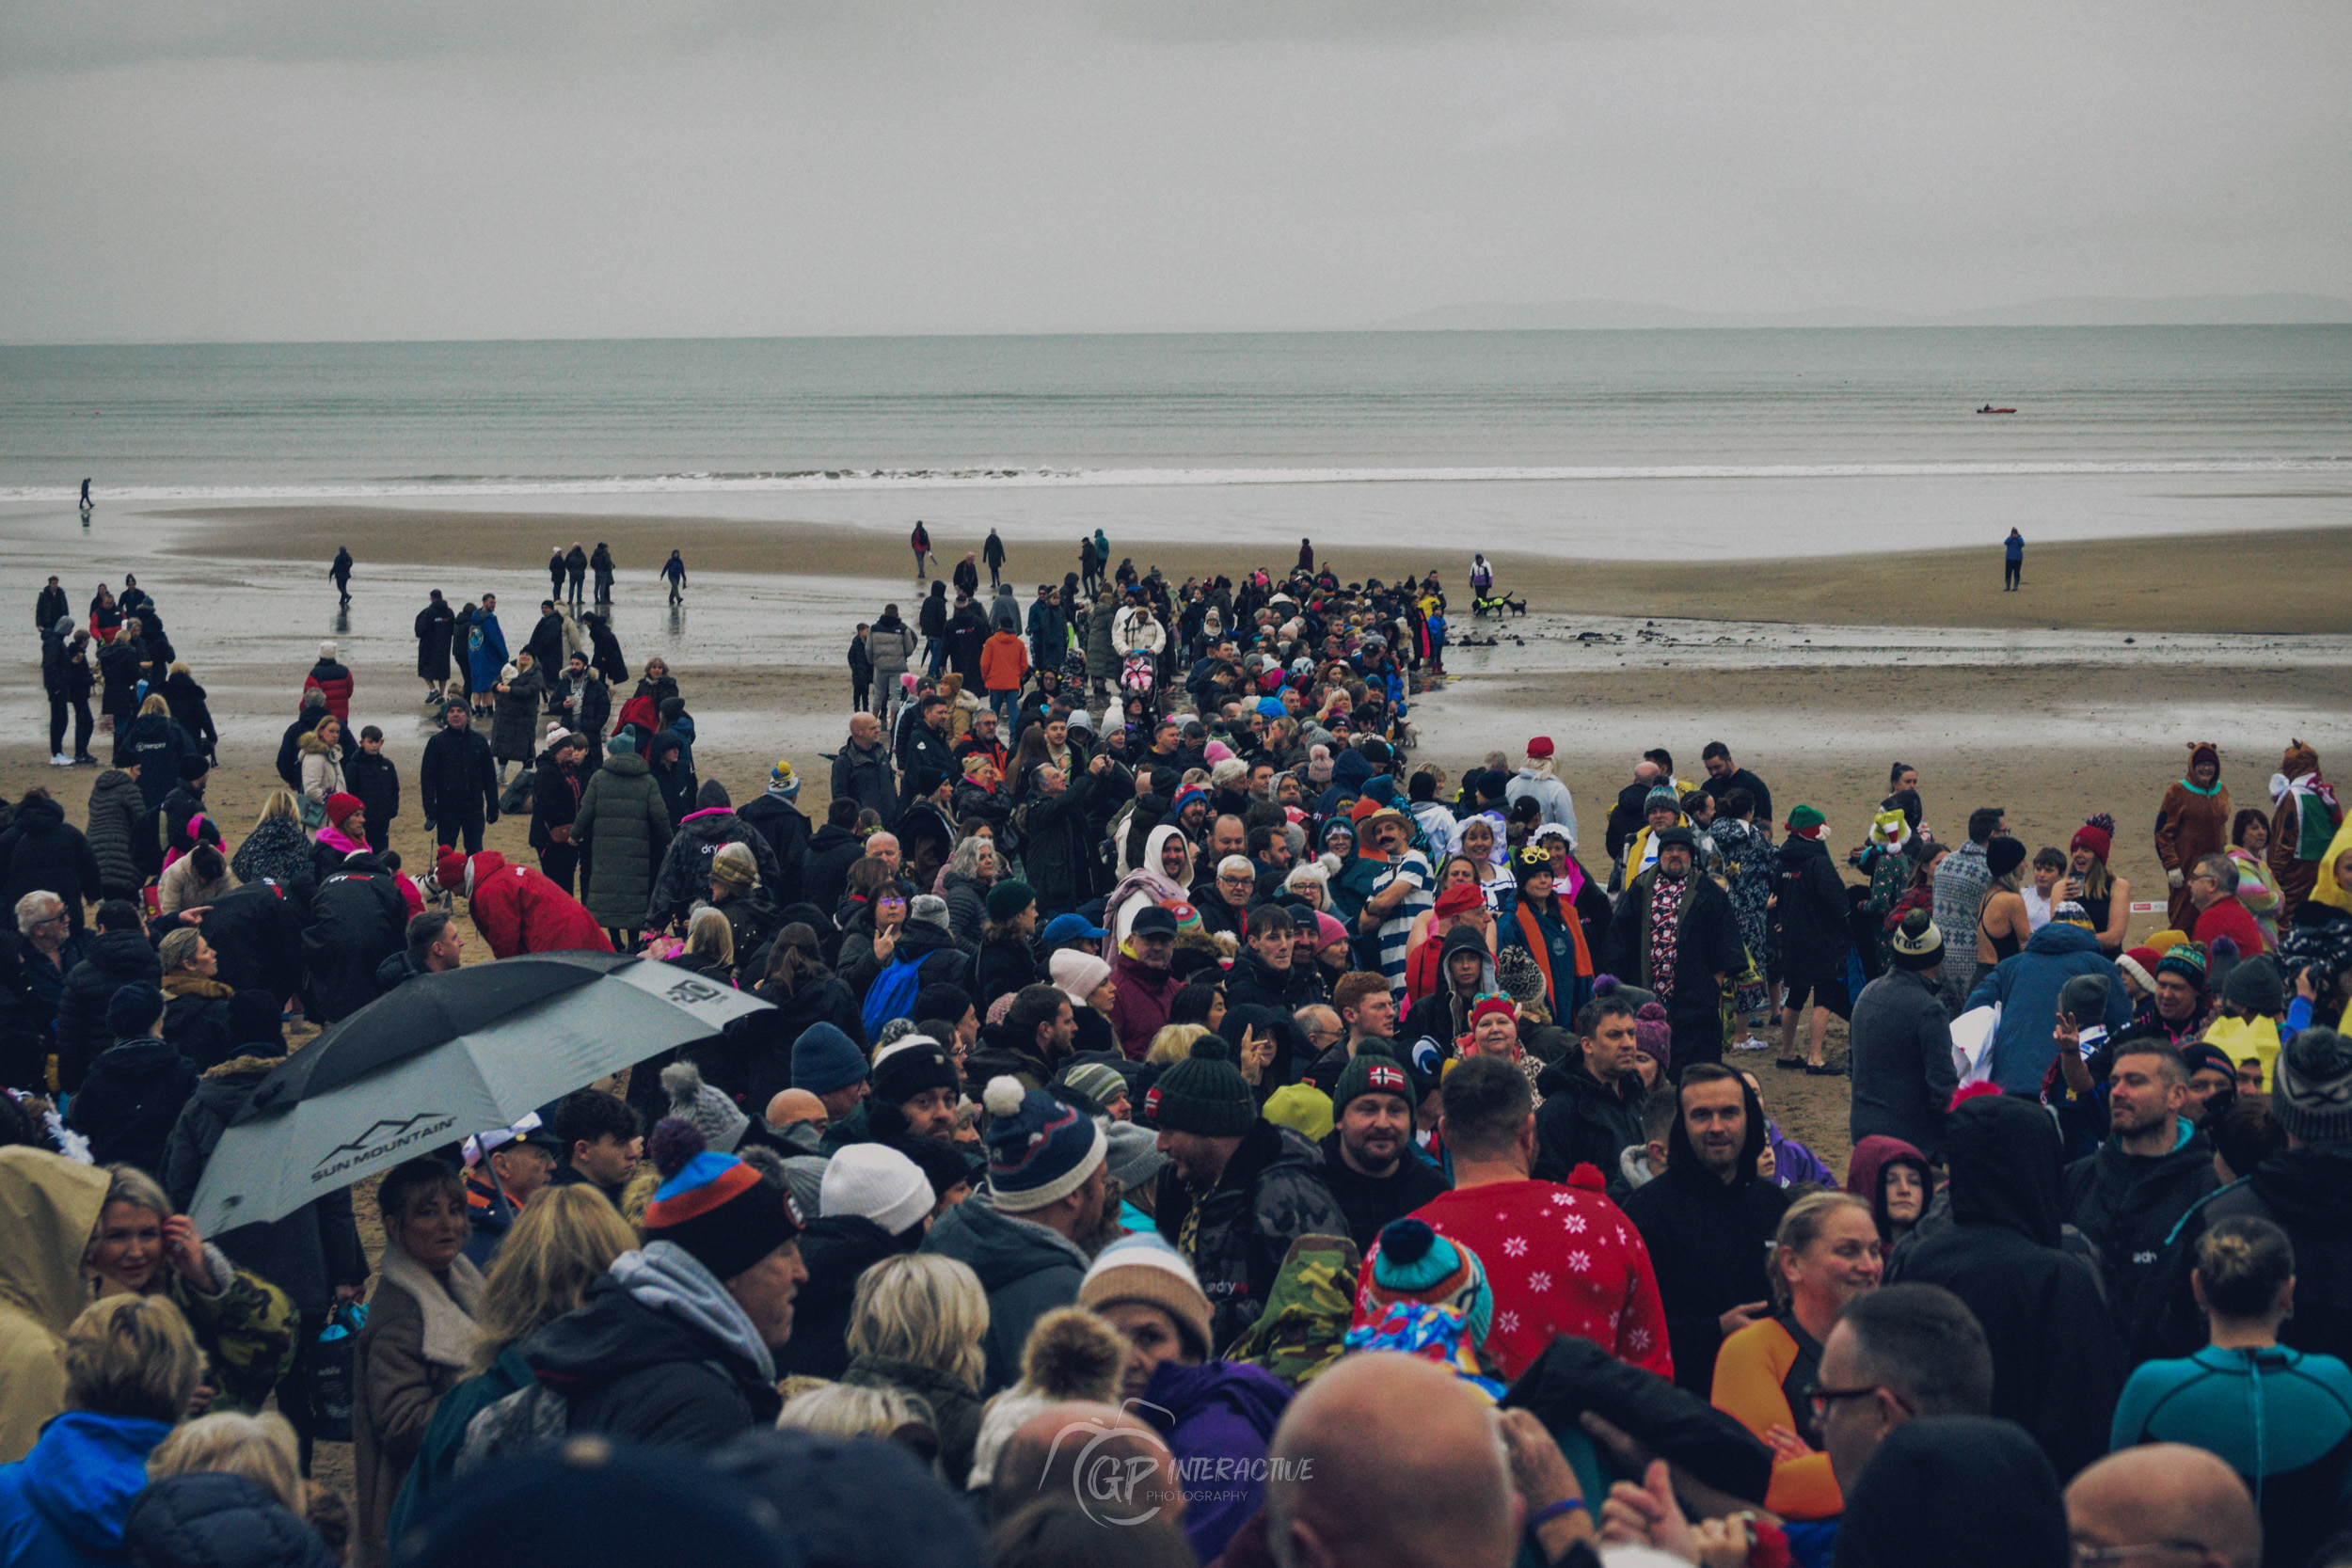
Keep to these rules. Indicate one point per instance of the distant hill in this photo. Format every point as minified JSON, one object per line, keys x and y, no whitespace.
{"x":1598,"y":315}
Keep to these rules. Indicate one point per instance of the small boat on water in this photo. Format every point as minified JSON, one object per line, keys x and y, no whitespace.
{"x":1988,"y":408}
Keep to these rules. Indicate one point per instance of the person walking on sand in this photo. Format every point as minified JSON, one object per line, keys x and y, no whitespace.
{"x":576,"y":573}
{"x":601,"y":564}
{"x":555,"y":572}
{"x":674,"y":573}
{"x":1482,"y":576}
{"x":920,"y":541}
{"x":993,"y":552}
{"x":2014,"y":560}
{"x":435,"y":622}
{"x":341,"y":571}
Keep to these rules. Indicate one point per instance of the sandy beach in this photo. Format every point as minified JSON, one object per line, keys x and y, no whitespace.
{"x":2283,"y":580}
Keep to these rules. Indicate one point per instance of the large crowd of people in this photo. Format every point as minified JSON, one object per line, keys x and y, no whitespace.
{"x":1178,"y":1127}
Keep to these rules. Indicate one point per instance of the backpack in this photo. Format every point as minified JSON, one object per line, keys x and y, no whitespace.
{"x":523,"y":1423}
{"x":892,"y":994}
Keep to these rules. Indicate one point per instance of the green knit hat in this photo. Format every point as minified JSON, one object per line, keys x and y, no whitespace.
{"x":1205,"y":1093}
{"x":1373,"y":1069}
{"x":1805,"y":816}
{"x":1008,"y":898}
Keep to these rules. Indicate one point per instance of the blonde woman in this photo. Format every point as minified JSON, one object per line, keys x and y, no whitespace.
{"x":849,"y":1410}
{"x":564,"y":1238}
{"x":143,"y":1247}
{"x":916,"y":1324}
{"x":1173,"y":1043}
{"x":131,"y":1366}
{"x":277,"y":848}
{"x":262,"y":1449}
{"x":322,"y":753}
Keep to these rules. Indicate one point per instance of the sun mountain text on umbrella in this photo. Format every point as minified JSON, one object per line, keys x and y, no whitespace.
{"x":380,"y":1139}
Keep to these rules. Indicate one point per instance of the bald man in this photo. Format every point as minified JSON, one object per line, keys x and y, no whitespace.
{"x":791,"y":1105}
{"x":1389,"y":1460}
{"x":2168,"y":1499}
{"x":1113,"y":1463}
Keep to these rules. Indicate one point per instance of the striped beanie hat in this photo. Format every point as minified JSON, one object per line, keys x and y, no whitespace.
{"x":1411,"y":1263}
{"x":1040,"y":1149}
{"x":722,"y":1211}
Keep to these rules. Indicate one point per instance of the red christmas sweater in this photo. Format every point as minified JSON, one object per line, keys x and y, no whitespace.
{"x":1560,"y":1261}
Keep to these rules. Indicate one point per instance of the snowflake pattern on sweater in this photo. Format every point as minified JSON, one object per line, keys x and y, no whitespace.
{"x":1559,"y":1260}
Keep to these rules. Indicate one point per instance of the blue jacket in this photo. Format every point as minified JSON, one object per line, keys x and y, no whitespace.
{"x":63,"y":1505}
{"x":486,"y":651}
{"x":1027,"y":1269}
{"x":2026,"y":986}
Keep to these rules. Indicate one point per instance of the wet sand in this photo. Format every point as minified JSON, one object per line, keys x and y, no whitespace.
{"x":2289,"y":580}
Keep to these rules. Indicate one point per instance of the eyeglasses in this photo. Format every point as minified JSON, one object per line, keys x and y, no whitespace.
{"x":2086,"y":1554}
{"x":1824,"y":1397}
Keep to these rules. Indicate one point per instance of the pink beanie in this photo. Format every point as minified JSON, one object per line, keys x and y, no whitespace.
{"x":1217,"y":751}
{"x":1329,"y":930}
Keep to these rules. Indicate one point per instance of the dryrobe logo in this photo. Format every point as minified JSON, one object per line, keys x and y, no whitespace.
{"x":381,"y":1141}
{"x":1122,"y":1475}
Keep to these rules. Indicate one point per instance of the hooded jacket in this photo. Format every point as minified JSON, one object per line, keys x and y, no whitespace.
{"x":1899,"y":1049}
{"x":2058,"y":1364}
{"x":196,"y":1018}
{"x":660,"y":1354}
{"x":1369,"y":1202}
{"x":256,"y":931}
{"x":1139,"y":1002}
{"x":116,"y":806}
{"x":1811,"y":915}
{"x":42,"y":850}
{"x":1708,"y":945}
{"x":1954,"y":1492}
{"x":518,"y":909}
{"x":2302,"y":1191}
{"x":50,"y":1204}
{"x":685,"y":874}
{"x":624,"y":829}
{"x":1706,"y":1241}
{"x":1026,"y":1269}
{"x":1236,"y":1233}
{"x":1866,"y":1174}
{"x":1584,"y":1121}
{"x":787,"y":830}
{"x":1217,"y":1419}
{"x":65,"y":1505}
{"x":2027,"y":985}
{"x":115,"y":960}
{"x":358,"y":920}
{"x":2127,"y":1204}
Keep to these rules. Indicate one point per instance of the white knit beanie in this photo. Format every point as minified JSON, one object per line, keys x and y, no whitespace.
{"x":1078,"y":974}
{"x":878,"y":1182}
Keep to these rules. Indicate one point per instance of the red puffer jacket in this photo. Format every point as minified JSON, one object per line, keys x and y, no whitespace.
{"x":335,"y":681}
{"x":518,"y":909}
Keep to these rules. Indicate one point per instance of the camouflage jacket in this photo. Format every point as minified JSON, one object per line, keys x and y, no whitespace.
{"x":1302,"y":1330}
{"x":246,"y":1327}
{"x":1236,"y":1233}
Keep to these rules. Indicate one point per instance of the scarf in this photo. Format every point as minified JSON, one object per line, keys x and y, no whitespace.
{"x":1665,"y":932}
{"x":2313,"y":828}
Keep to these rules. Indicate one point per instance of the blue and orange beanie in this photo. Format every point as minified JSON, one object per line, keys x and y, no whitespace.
{"x":723,"y":1212}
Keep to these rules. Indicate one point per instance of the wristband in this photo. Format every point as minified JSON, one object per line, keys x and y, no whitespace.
{"x":1545,"y":1514}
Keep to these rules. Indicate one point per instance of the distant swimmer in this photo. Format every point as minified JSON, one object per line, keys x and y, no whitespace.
{"x":674,"y":573}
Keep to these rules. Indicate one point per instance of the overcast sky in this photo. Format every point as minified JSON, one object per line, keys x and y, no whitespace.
{"x":410,"y":169}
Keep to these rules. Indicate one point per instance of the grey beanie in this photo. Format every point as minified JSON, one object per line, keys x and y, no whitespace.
{"x":2086,"y":997}
{"x":2254,"y":985}
{"x":2313,"y":1079}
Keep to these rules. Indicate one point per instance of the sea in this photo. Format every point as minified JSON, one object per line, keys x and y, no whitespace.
{"x":1631,"y":445}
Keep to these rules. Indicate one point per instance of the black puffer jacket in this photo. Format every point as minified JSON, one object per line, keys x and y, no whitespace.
{"x":1584,"y":1121}
{"x":158,"y":745}
{"x":358,"y":920}
{"x":456,"y":781}
{"x":685,"y":874}
{"x":1253,"y":982}
{"x":113,"y":816}
{"x":307,"y":1253}
{"x":43,"y":851}
{"x":830,"y":853}
{"x":1270,"y":1195}
{"x":1706,"y":1241}
{"x":212,"y":1519}
{"x":129,"y":1100}
{"x":116,"y":959}
{"x":752,"y":1059}
{"x":195,"y":1018}
{"x":1057,"y":844}
{"x":376,"y":780}
{"x":2058,"y":1364}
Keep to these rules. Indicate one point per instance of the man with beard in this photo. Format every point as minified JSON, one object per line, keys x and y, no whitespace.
{"x":2153,"y":1168}
{"x":1369,"y":1161}
{"x":1593,"y":1099}
{"x":1674,"y":934}
{"x":1709,"y":1219}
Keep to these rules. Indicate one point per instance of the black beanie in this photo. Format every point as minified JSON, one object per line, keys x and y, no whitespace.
{"x":1205,"y":1093}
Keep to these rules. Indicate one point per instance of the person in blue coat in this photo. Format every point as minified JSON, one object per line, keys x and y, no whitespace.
{"x":485,"y":652}
{"x":131,"y":1363}
{"x":2026,"y":986}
